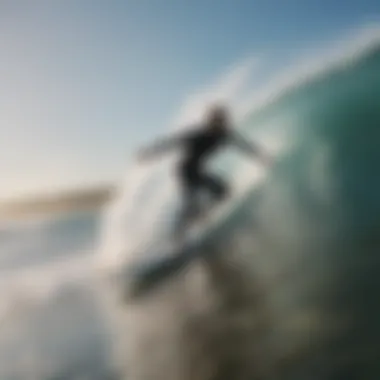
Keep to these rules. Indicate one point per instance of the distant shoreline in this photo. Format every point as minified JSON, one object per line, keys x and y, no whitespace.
{"x":61,"y":202}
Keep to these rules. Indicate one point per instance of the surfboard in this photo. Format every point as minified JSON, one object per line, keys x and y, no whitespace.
{"x":172,"y":258}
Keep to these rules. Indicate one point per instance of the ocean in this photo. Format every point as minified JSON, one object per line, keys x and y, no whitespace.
{"x":290,"y":291}
{"x":51,"y":326}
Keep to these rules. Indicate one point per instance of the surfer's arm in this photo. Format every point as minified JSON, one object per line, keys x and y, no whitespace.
{"x":251,"y":148}
{"x":162,"y":146}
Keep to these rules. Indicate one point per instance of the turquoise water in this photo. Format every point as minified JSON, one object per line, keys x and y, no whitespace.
{"x":321,"y":211}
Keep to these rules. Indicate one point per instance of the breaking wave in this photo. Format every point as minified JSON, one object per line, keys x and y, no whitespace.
{"x":290,"y":290}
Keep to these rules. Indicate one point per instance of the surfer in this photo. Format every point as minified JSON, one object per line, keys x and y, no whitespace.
{"x":197,"y":146}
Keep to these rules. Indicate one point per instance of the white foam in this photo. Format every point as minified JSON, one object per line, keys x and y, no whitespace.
{"x":37,"y":284}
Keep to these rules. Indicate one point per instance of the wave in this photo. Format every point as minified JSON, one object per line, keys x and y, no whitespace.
{"x":290,"y":290}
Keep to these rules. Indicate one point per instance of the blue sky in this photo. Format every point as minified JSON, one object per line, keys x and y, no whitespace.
{"x":83,"y":82}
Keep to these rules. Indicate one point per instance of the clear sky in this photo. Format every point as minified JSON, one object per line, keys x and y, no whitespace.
{"x":84,"y":81}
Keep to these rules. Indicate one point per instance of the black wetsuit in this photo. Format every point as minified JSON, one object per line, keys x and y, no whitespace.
{"x":197,"y":148}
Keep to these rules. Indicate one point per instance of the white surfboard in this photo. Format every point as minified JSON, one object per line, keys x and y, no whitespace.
{"x":172,"y":257}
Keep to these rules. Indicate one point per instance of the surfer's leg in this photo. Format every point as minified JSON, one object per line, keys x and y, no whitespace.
{"x":217,"y":186}
{"x":189,"y":203}
{"x":189,"y":206}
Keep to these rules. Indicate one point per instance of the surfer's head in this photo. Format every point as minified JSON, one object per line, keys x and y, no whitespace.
{"x":218,"y":117}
